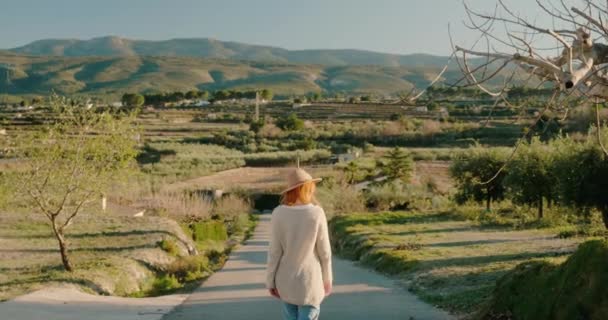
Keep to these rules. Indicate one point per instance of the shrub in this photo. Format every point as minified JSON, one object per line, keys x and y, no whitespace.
{"x":290,"y":123}
{"x":338,"y":199}
{"x":165,"y":283}
{"x":189,"y":268}
{"x":169,"y":246}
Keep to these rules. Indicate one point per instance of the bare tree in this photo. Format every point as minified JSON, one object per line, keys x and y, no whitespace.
{"x":70,"y":162}
{"x":570,"y":54}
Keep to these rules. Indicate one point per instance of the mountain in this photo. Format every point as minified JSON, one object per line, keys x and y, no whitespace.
{"x":211,"y":48}
{"x":114,"y":75}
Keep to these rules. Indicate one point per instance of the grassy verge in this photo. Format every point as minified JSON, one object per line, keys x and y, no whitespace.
{"x":113,"y":254}
{"x":572,"y":290}
{"x":448,"y":262}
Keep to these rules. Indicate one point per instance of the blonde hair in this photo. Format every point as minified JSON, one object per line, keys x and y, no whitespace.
{"x":303,"y":194}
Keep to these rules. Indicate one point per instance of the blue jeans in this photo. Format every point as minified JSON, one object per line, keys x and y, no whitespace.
{"x":294,"y":312}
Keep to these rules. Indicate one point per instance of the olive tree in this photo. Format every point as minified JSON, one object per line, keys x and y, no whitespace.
{"x":479,"y":175}
{"x":582,"y":171}
{"x":71,"y":161}
{"x":530,"y":177}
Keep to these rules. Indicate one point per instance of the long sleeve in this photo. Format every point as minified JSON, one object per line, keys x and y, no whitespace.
{"x":275,"y":252}
{"x":323,"y":249}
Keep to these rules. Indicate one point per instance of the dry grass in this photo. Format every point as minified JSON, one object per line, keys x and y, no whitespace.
{"x":182,"y":206}
{"x":231,"y":206}
{"x":435,"y":173}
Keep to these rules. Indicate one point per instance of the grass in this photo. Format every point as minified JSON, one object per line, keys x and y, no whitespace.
{"x":449,"y":262}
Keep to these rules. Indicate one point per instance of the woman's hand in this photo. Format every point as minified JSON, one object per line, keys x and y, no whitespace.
{"x":327,"y":286}
{"x":275,"y":293}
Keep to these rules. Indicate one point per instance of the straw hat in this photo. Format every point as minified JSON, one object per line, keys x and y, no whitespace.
{"x":298,"y":177}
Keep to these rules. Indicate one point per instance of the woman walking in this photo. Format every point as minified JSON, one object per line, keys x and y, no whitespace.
{"x":299,"y":259}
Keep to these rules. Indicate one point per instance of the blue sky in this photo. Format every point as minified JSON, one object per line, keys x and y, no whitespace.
{"x":396,"y":26}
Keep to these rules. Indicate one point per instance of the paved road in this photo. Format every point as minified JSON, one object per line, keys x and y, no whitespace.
{"x":67,"y":302}
{"x":237,"y":292}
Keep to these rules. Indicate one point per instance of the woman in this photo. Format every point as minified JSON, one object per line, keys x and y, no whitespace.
{"x":299,"y":259}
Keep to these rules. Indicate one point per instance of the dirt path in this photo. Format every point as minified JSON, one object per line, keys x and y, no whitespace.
{"x":237,"y":292}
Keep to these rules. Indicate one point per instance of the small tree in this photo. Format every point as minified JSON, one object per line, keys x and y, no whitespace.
{"x":203,"y":95}
{"x":266,"y":95}
{"x":351,"y":170}
{"x":71,"y":162}
{"x":133,"y":100}
{"x":397,"y":166}
{"x":192,"y":94}
{"x":531,"y":177}
{"x":479,"y":176}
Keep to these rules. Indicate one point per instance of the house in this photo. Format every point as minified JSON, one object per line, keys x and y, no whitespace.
{"x":443,"y":113}
{"x":201,"y":103}
{"x":300,"y":105}
{"x":421,"y":109}
{"x":345,"y":157}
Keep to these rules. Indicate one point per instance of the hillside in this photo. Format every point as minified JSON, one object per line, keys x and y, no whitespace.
{"x":211,"y":48}
{"x":21,"y":74}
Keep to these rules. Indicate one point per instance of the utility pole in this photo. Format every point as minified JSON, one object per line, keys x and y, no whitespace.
{"x":257,"y":106}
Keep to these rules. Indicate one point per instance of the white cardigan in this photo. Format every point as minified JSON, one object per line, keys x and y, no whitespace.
{"x":299,"y":257}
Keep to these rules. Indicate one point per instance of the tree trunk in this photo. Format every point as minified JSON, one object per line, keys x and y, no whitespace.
{"x":63,"y":248}
{"x":489,"y":203}
{"x":540,"y":207}
{"x":605,"y":216}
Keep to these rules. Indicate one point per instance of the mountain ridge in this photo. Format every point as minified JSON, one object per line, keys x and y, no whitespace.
{"x":213,"y":48}
{"x":115,"y":75}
